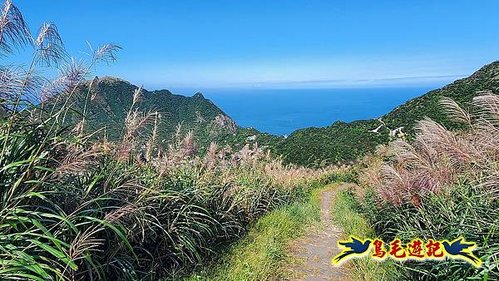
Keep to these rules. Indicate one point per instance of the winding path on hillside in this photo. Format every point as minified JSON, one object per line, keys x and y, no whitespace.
{"x":314,"y":251}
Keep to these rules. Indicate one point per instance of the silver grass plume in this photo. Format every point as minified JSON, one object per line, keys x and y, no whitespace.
{"x":73,"y":73}
{"x":13,"y":29}
{"x":49,"y":45}
{"x":70,"y":76}
{"x":487,"y":107}
{"x":15,"y":82}
{"x":106,"y":53}
{"x":151,"y":143}
{"x":454,"y":111}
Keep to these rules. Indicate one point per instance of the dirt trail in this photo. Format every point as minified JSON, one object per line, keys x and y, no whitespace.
{"x":314,"y":251}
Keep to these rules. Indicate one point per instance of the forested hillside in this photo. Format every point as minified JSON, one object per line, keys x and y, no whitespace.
{"x":110,"y":98}
{"x":105,"y":103}
{"x":344,"y":142}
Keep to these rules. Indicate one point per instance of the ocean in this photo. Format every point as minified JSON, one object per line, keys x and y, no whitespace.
{"x":282,"y":111}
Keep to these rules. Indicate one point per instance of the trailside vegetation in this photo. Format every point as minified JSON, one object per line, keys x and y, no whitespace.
{"x":77,"y":207}
{"x":441,"y":185}
{"x":263,"y":253}
{"x":347,"y":213}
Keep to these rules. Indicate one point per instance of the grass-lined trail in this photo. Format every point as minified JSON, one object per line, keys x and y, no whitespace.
{"x":313,"y":252}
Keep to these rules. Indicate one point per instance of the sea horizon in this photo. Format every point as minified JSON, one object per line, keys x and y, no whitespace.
{"x":283,"y":111}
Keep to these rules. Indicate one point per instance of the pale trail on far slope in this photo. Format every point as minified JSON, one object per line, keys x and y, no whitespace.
{"x":315,"y":250}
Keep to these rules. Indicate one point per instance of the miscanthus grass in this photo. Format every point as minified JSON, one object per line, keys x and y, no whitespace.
{"x":442,"y":185}
{"x":77,"y":207}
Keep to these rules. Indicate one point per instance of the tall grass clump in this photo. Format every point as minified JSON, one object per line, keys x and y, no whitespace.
{"x":442,"y":185}
{"x":347,"y":213}
{"x":77,"y":207}
{"x":264,"y":252}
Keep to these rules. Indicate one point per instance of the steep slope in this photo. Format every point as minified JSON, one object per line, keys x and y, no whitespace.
{"x":109,"y":100}
{"x":106,"y":101}
{"x":343,"y":142}
{"x":113,"y":98}
{"x":462,"y":91}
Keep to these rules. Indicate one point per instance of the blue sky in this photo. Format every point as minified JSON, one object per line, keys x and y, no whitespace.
{"x":295,"y":43}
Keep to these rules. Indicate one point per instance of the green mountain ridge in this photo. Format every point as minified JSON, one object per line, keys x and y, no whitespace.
{"x":462,"y":91}
{"x":344,"y":142}
{"x":106,"y":101}
{"x":113,"y":99}
{"x":341,"y":142}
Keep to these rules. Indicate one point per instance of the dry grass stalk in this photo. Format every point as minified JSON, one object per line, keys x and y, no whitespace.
{"x":437,"y":157}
